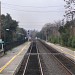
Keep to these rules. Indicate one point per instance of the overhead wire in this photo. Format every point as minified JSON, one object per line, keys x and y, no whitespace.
{"x":33,"y":6}
{"x":32,"y":11}
{"x":30,"y":6}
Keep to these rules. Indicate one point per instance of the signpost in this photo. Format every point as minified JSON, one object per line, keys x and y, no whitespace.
{"x":1,"y":42}
{"x":0,"y":19}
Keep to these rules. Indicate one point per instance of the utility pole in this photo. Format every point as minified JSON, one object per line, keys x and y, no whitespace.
{"x":0,"y":20}
{"x":1,"y":28}
{"x":47,"y":35}
{"x":28,"y":34}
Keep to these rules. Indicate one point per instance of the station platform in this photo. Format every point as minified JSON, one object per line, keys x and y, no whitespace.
{"x":68,"y":52}
{"x":12,"y":59}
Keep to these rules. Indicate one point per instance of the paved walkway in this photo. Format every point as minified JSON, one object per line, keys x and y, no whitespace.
{"x":12,"y":59}
{"x":68,"y":52}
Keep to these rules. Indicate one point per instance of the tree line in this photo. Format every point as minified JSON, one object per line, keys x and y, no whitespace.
{"x":58,"y":33}
{"x":10,"y":30}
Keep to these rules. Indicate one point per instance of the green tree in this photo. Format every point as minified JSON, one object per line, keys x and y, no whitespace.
{"x":10,"y":24}
{"x":21,"y":33}
{"x":65,"y":33}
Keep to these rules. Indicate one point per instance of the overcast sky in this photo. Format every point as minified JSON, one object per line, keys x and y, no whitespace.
{"x":33,"y":14}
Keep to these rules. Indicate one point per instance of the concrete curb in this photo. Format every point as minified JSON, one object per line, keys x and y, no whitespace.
{"x":18,"y":67}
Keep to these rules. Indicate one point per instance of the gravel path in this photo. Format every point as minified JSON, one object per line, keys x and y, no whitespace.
{"x":51,"y":65}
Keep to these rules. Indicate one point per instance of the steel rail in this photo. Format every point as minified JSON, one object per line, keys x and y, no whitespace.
{"x":39,"y":61}
{"x":27,"y":62}
{"x":59,"y":61}
{"x":63,"y":65}
{"x":60,"y":53}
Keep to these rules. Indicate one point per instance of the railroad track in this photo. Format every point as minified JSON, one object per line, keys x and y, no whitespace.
{"x":44,"y":60}
{"x":64,"y":61}
{"x":32,"y":66}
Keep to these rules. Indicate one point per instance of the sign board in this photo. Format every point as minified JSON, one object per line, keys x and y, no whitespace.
{"x":1,"y":41}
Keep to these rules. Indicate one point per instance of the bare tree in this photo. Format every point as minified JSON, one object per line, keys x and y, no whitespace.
{"x":69,"y":9}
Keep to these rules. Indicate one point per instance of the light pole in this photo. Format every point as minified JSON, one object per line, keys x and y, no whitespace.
{"x":5,"y":34}
{"x":5,"y":39}
{"x":47,"y":35}
{"x":1,"y":42}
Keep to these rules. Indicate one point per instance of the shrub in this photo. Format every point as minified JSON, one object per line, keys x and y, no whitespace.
{"x":73,"y":42}
{"x":53,"y":39}
{"x":70,"y":42}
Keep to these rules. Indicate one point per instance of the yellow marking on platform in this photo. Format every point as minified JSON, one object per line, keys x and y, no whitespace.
{"x":2,"y":68}
{"x":66,"y":52}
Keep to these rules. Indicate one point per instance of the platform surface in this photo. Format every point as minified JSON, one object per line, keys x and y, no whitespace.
{"x":11,"y":60}
{"x":68,"y":52}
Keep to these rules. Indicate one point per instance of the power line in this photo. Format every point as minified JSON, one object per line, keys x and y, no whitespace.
{"x":33,"y":6}
{"x":32,"y":11}
{"x":33,"y":22}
